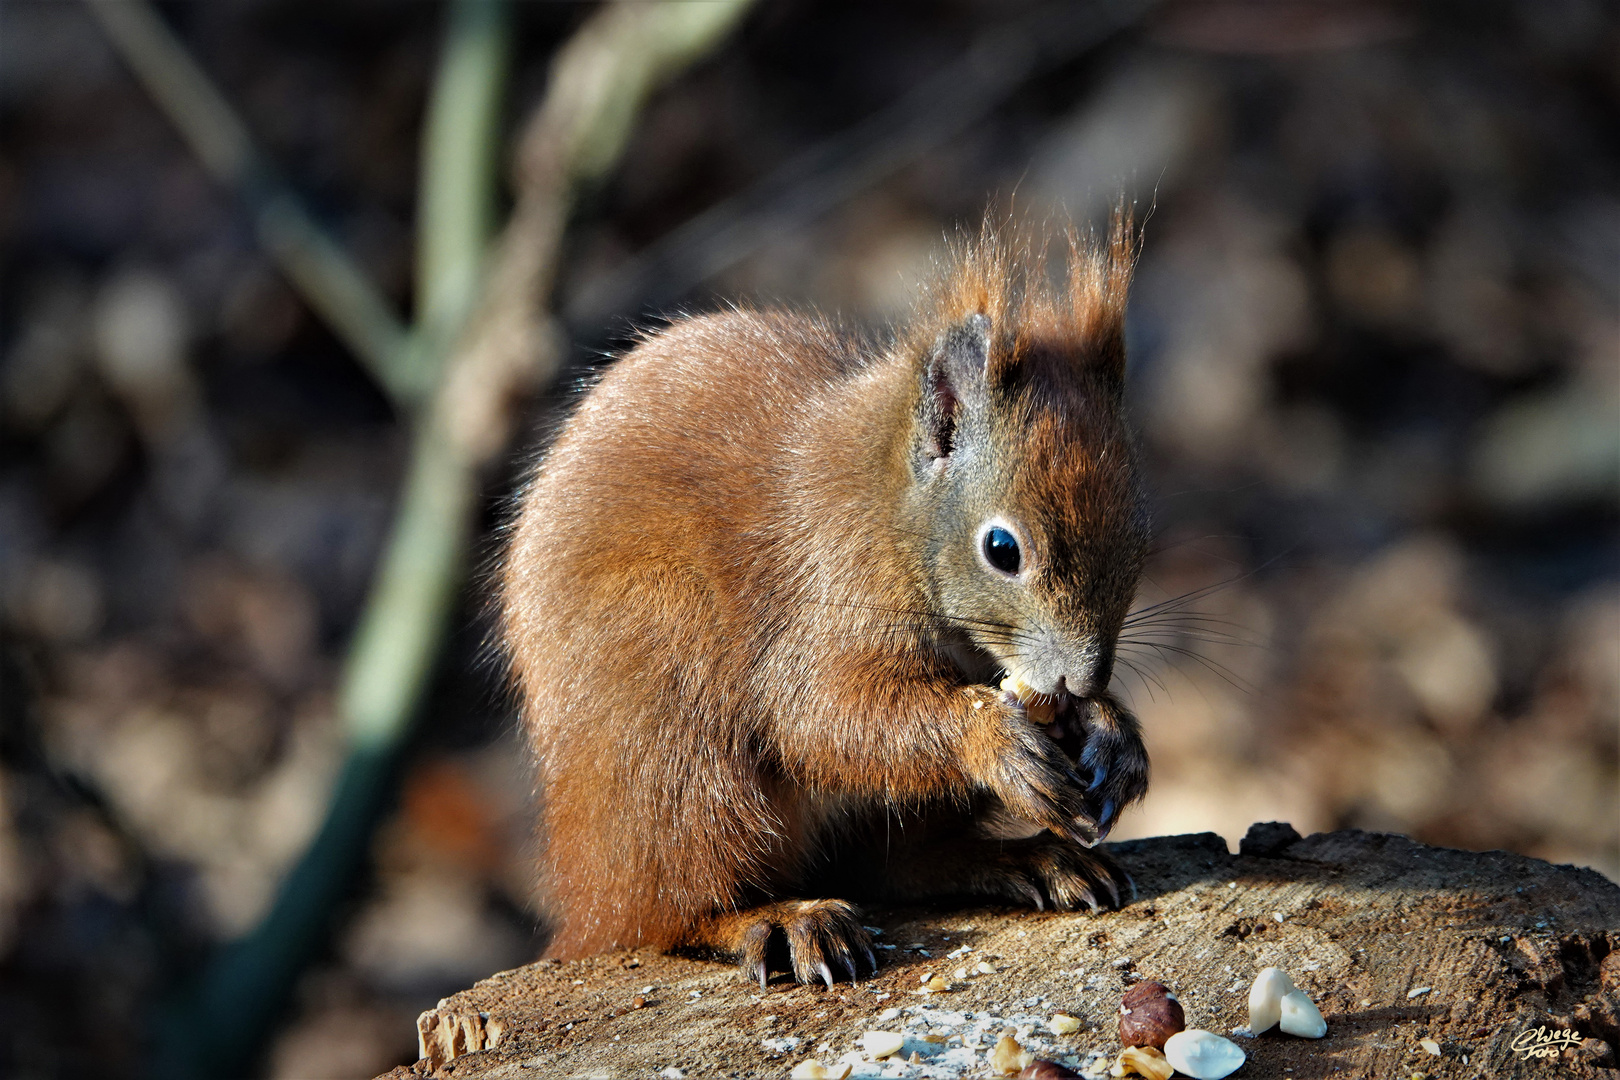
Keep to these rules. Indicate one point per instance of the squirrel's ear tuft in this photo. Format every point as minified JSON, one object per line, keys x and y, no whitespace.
{"x":999,"y":307}
{"x":1099,"y":280}
{"x":953,"y":375}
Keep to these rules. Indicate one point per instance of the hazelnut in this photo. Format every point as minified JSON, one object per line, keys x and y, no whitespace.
{"x":1149,"y":1014}
{"x":1046,"y":1070}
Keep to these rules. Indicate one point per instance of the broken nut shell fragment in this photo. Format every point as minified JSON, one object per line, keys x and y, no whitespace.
{"x":1009,"y":1058}
{"x":1149,"y":1014}
{"x":1142,"y":1061}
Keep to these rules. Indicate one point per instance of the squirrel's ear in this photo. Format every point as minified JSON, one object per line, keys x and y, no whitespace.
{"x":953,"y":375}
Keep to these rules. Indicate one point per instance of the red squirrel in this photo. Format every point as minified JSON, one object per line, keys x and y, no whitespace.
{"x":759,"y":593}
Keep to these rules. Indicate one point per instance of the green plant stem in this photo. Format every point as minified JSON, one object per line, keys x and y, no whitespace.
{"x":456,"y":202}
{"x":599,"y":81}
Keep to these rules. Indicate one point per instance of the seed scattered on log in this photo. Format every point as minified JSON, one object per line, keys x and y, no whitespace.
{"x":1301,"y":1017}
{"x":1265,"y":999}
{"x":882,"y":1044}
{"x":1203,"y":1055}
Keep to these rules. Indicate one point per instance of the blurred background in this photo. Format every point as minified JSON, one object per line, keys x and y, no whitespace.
{"x":1375,"y":361}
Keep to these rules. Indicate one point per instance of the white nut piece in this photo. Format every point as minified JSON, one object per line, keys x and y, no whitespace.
{"x":1063,"y":1024}
{"x":1301,"y":1017}
{"x":815,"y":1070}
{"x":882,"y":1044}
{"x":1203,"y":1055}
{"x":1265,"y":999}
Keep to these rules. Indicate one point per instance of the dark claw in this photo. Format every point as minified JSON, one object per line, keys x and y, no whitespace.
{"x":1083,"y":834}
{"x":871,"y":958}
{"x":849,"y":966}
{"x":826,"y":973}
{"x":1090,"y":899}
{"x":1113,"y":889}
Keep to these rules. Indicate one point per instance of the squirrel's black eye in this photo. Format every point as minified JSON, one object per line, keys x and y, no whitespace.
{"x":1001,"y":549}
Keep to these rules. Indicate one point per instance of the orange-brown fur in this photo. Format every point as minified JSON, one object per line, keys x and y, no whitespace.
{"x":723,"y":599}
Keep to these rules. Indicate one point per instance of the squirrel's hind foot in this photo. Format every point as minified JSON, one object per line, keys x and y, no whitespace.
{"x":824,"y":940}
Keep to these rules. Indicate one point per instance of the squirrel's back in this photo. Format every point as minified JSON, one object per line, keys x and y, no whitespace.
{"x":672,"y":509}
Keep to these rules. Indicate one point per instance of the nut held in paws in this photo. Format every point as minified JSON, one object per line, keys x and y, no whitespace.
{"x":1036,"y":706}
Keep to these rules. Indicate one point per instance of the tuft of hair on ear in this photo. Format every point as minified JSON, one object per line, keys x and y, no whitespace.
{"x":1002,"y":274}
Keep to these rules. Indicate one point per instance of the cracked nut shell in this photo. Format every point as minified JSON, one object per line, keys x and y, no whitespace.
{"x":1149,"y":1014}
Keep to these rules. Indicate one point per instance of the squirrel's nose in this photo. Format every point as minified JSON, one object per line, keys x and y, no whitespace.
{"x":1083,"y":686}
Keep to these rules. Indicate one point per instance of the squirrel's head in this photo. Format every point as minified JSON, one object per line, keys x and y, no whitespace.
{"x":1023,"y":494}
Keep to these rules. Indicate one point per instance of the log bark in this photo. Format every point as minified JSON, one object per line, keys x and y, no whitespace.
{"x":1406,"y":949}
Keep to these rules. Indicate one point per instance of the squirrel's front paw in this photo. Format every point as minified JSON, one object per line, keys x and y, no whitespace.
{"x":1032,"y":776}
{"x":1051,"y":873}
{"x":1114,"y":760}
{"x":819,"y":934}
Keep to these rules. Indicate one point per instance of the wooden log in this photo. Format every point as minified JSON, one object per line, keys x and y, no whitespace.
{"x":1423,"y":960}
